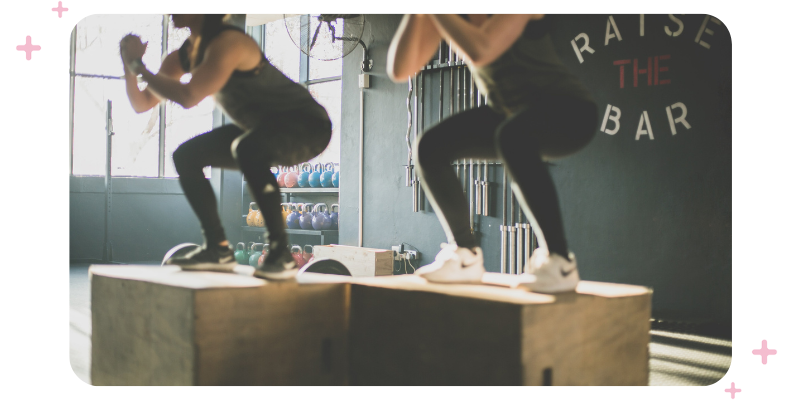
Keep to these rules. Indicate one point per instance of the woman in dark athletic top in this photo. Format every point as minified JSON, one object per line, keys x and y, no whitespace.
{"x":275,"y":122}
{"x":536,"y":110}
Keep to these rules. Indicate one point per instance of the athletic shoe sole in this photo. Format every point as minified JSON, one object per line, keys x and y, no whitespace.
{"x":284,"y":275}
{"x":214,"y":267}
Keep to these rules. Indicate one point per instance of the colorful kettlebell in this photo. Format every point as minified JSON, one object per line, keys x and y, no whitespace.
{"x":302,"y":178}
{"x":297,"y":254}
{"x":290,"y":180}
{"x":308,"y":255}
{"x":322,"y":220}
{"x":281,"y":176}
{"x":285,"y":210}
{"x":313,"y":179}
{"x":259,"y":219}
{"x":251,"y":214}
{"x":307,"y":218}
{"x":326,"y":178}
{"x":275,"y":171}
{"x":335,"y":217}
{"x":254,"y":254}
{"x":247,"y":252}
{"x":335,"y":179}
{"x":264,"y":252}
{"x":293,"y":220}
{"x":240,"y":254}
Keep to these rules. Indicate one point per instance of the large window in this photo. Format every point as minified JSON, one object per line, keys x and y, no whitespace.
{"x":143,"y":143}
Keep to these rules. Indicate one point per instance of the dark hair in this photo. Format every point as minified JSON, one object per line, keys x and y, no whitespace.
{"x":212,"y":25}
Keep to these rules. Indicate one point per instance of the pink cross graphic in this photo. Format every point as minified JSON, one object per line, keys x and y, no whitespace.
{"x":764,"y":352}
{"x":60,"y":9}
{"x":733,"y":390}
{"x":28,"y":48}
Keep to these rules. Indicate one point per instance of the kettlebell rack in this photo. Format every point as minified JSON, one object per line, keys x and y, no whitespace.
{"x":516,"y":233}
{"x":326,"y":236}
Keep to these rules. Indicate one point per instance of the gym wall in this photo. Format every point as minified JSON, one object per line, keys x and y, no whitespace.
{"x":648,"y":202}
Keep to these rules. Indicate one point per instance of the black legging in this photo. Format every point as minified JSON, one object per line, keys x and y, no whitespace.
{"x":288,"y":140}
{"x":551,"y":127}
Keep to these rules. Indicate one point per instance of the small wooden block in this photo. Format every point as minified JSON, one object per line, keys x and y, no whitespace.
{"x":163,"y":326}
{"x":407,"y":331}
{"x":361,"y":261}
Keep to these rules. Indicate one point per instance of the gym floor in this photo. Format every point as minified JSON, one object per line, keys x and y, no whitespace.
{"x":675,"y":358}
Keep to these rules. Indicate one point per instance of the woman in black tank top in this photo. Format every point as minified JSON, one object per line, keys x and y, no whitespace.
{"x":275,"y":122}
{"x":536,"y":110}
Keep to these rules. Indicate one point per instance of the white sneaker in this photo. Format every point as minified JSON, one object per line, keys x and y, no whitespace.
{"x":454,"y":264}
{"x":551,"y":273}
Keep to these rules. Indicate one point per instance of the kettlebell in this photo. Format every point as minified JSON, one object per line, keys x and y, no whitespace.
{"x":281,"y":176}
{"x":251,"y":215}
{"x":297,"y":254}
{"x":259,"y":219}
{"x":335,"y":179}
{"x":240,"y":254}
{"x":254,"y":254}
{"x":313,"y":179}
{"x":307,"y":218}
{"x":275,"y":171}
{"x":293,"y":220}
{"x":264,"y":252}
{"x":302,"y":178}
{"x":247,"y":252}
{"x":322,"y":220}
{"x":285,"y":210}
{"x":308,"y":255}
{"x":335,"y":217}
{"x":290,"y":180}
{"x":326,"y":178}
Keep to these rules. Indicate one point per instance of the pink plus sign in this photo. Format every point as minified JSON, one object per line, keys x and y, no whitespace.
{"x":60,"y":9}
{"x":733,"y":390}
{"x":764,"y":352}
{"x":28,"y":48}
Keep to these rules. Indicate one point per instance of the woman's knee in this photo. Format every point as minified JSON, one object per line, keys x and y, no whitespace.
{"x":430,"y":150}
{"x":182,"y":158}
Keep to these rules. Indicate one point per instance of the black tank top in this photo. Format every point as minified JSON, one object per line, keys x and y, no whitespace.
{"x":530,"y":68}
{"x":263,"y":92}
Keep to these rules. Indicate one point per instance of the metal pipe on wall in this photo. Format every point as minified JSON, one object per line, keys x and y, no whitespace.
{"x":409,"y":166}
{"x":520,"y":237}
{"x":361,"y":170}
{"x":107,"y":249}
{"x":512,"y":239}
{"x":503,"y":231}
{"x":485,"y":187}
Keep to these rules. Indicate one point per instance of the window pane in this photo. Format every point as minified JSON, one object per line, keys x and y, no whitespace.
{"x":176,"y":37}
{"x":184,"y":124}
{"x":318,"y":69}
{"x":329,"y":94}
{"x":281,"y":51}
{"x":97,"y":44}
{"x":135,"y":140}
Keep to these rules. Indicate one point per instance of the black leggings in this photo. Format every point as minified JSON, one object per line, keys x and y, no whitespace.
{"x":553,"y":127}
{"x":289,"y":140}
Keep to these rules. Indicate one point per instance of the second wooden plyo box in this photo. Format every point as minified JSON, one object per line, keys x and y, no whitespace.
{"x":361,"y":261}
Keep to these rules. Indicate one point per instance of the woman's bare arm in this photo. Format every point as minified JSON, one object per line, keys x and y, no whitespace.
{"x":483,"y":44}
{"x":221,"y":58}
{"x":412,"y":46}
{"x":143,"y":100}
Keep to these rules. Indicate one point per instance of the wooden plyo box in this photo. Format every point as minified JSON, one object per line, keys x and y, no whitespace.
{"x":406,"y":331}
{"x":361,"y":261}
{"x":162,"y":326}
